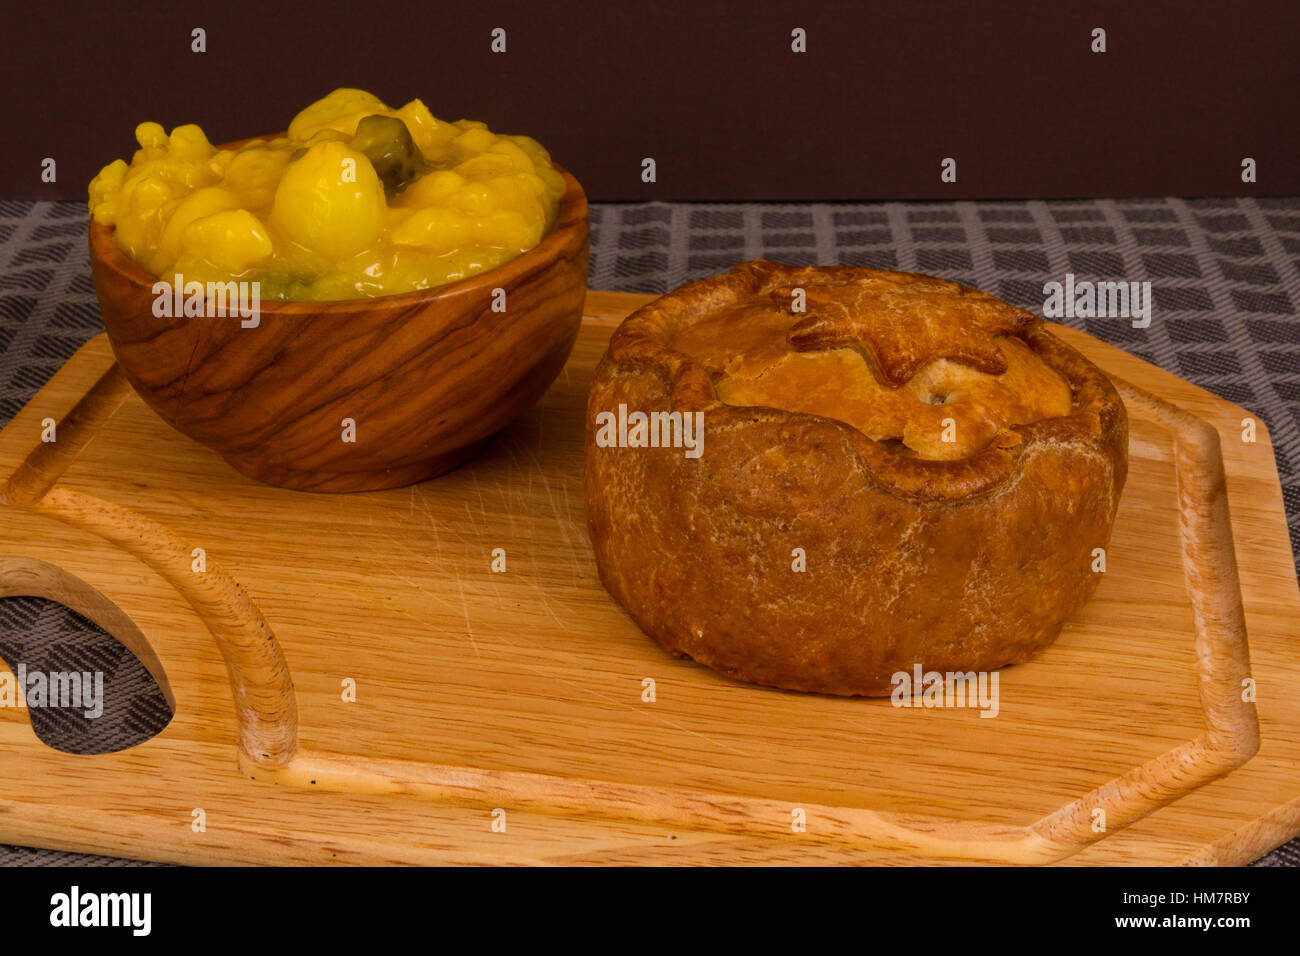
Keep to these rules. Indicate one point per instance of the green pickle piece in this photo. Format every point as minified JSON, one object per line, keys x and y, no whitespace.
{"x":387,"y":143}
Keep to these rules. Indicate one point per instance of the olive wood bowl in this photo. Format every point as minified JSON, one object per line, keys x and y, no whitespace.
{"x":425,"y":377}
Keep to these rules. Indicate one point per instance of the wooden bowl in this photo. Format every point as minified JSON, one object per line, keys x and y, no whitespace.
{"x":427,"y":377}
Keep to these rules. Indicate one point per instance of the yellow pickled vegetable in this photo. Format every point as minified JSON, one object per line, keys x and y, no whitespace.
{"x":331,"y":202}
{"x":232,"y":240}
{"x":357,"y":200}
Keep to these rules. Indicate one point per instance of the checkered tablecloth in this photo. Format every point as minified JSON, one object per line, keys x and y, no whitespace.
{"x":1225,"y":282}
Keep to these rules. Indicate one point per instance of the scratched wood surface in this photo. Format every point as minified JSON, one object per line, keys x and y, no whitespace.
{"x":523,"y":690}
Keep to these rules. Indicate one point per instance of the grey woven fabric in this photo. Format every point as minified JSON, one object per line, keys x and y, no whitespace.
{"x":1225,"y":281}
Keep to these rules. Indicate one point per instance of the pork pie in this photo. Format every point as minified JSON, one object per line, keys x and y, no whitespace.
{"x":891,"y":470}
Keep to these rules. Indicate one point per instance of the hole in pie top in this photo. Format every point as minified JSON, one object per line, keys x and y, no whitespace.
{"x":837,"y":373}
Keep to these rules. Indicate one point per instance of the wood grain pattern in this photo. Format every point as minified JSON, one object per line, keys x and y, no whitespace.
{"x":426,"y":376}
{"x":522,"y":690}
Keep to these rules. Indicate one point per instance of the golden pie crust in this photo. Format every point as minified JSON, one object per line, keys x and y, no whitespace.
{"x":895,"y":471}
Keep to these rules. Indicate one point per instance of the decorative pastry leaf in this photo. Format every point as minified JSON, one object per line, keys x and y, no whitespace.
{"x":901,"y":326}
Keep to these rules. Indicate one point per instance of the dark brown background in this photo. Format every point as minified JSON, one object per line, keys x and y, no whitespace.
{"x":709,"y":89}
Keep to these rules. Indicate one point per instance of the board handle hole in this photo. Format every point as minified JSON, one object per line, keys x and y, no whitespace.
{"x":88,"y":686}
{"x":84,"y":691}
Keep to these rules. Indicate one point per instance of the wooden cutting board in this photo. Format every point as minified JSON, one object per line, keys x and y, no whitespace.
{"x":504,"y":716}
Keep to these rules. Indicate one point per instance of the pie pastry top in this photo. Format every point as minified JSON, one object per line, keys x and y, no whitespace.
{"x":927,"y":366}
